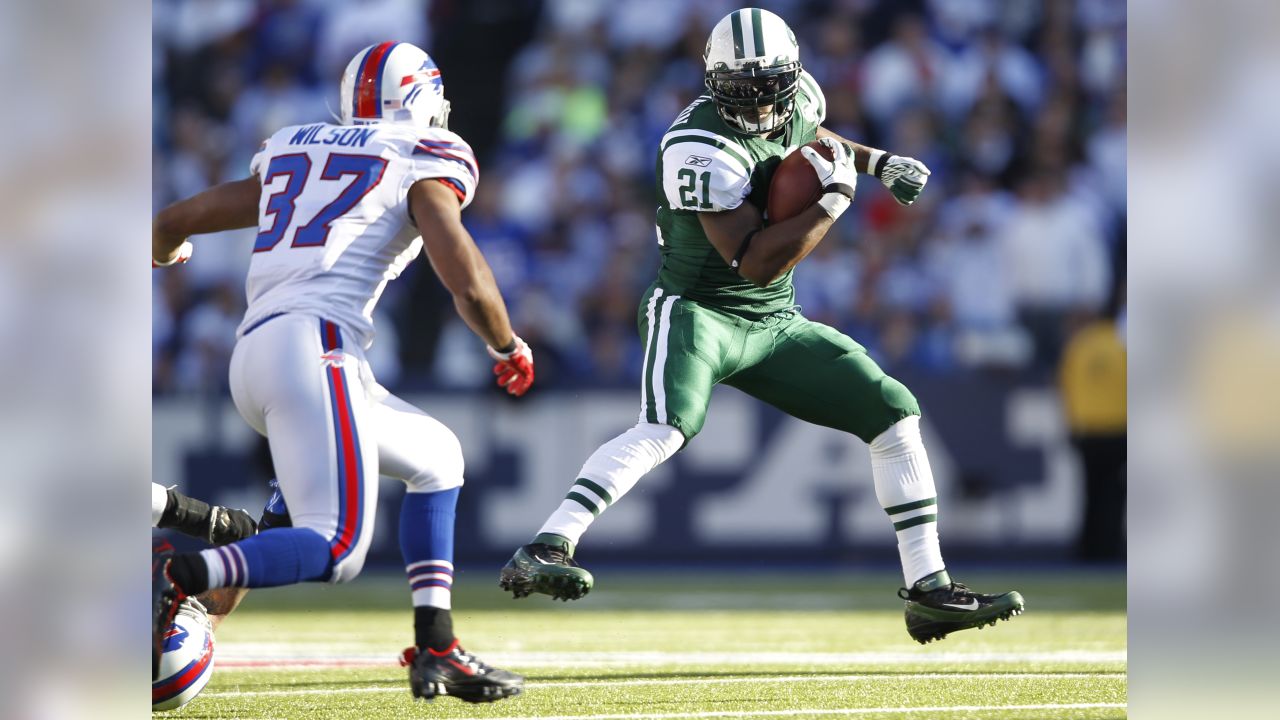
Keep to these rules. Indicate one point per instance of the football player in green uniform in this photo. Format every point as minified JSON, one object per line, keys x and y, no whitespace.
{"x":723,"y":311}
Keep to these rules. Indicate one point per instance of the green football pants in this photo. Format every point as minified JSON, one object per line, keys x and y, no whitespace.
{"x":806,"y":369}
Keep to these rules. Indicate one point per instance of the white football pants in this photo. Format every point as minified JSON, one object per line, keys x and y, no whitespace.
{"x":332,"y":429}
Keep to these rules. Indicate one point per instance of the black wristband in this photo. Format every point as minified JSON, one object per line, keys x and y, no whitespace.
{"x":879,"y":168}
{"x":186,"y":515}
{"x":742,"y":250}
{"x":510,"y":348}
{"x":842,"y":188}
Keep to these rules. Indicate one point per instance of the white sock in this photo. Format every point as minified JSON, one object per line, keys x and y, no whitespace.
{"x":612,"y":470}
{"x":431,"y":582}
{"x":159,"y":499}
{"x":904,"y":486}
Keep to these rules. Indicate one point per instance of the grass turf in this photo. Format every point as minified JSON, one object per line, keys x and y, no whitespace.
{"x":682,"y":644}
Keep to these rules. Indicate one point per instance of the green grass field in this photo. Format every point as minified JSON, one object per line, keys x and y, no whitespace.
{"x":682,"y":645}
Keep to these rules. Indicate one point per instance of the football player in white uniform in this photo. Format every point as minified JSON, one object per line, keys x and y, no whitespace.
{"x":216,"y":525}
{"x":340,"y":211}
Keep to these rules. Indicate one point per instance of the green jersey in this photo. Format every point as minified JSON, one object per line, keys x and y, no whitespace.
{"x":704,"y":166}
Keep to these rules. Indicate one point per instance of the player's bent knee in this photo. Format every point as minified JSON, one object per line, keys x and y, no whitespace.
{"x":444,"y":473}
{"x":348,"y":564}
{"x":896,"y":404}
{"x":433,"y":481}
{"x":669,"y":438}
{"x":898,"y":398}
{"x":446,"y":467}
{"x":684,"y":426}
{"x":348,"y":568}
{"x":901,"y":438}
{"x":640,"y":449}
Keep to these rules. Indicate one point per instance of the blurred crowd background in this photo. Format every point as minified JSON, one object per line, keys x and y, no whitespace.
{"x":1017,"y":106}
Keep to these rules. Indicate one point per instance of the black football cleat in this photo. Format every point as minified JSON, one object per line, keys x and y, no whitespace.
{"x":937,"y":607}
{"x":457,"y":673}
{"x":165,"y":598}
{"x":546,"y":566}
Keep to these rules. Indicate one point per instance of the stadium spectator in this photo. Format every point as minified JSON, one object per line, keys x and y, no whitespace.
{"x":903,"y":71}
{"x":1093,"y":381}
{"x":1017,"y":107}
{"x":1057,"y":259}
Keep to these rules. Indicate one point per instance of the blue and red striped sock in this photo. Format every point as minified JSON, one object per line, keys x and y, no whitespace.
{"x":279,"y":556}
{"x":426,"y":542}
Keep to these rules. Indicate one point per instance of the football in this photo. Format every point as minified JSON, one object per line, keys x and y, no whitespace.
{"x":794,"y":186}
{"x":187,"y":660}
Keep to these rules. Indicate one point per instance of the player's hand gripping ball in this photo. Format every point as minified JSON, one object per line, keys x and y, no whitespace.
{"x":819,"y":173}
{"x":514,"y":368}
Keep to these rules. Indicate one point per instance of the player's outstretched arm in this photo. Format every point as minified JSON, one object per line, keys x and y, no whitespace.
{"x":229,"y":206}
{"x":466,"y":275}
{"x":904,"y":177}
{"x":459,"y":263}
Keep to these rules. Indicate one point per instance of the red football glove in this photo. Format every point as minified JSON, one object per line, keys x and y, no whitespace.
{"x":184,"y":254}
{"x":514,"y":369}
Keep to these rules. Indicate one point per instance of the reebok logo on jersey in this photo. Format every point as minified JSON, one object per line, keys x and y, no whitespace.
{"x":698,"y":161}
{"x":333,"y":358}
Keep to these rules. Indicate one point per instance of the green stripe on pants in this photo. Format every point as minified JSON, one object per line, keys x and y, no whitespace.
{"x":646,"y":391}
{"x":656,"y":375}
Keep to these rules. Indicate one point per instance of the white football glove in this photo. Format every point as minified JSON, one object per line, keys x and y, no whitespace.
{"x":837,"y":177}
{"x":905,"y":177}
{"x":184,"y":254}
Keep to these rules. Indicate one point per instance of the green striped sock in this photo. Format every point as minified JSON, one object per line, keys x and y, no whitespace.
{"x":916,"y":525}
{"x":590,"y":495}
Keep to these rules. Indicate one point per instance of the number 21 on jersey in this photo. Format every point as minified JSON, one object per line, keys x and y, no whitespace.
{"x":295,"y":168}
{"x":689,"y":196}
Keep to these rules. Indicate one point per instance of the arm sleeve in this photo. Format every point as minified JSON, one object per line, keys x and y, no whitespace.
{"x":702,"y":177}
{"x":446,"y":158}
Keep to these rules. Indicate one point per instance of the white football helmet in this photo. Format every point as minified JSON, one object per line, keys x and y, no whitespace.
{"x":393,"y":82}
{"x":753,"y":67}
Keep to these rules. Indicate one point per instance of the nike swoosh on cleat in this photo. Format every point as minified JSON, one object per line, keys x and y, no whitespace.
{"x":973,"y":605}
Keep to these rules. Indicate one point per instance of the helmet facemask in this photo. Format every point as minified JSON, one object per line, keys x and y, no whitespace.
{"x":755,"y":100}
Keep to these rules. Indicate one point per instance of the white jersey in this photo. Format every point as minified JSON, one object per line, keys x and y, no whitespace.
{"x":333,"y":220}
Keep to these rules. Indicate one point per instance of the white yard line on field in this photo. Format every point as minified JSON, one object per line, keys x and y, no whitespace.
{"x":622,"y":682}
{"x":821,"y":711}
{"x":293,"y":656}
